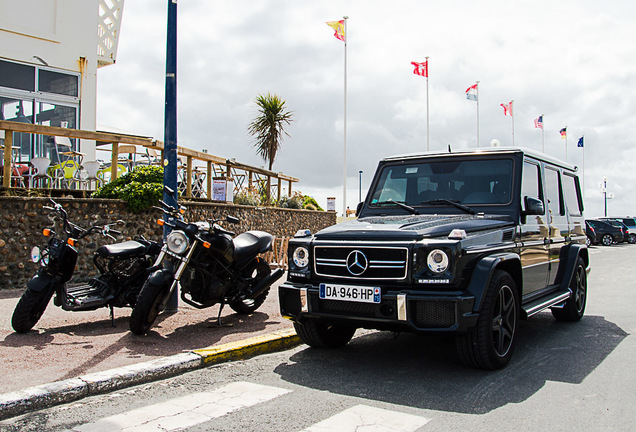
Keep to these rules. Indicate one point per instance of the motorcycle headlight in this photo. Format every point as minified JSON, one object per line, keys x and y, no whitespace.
{"x":437,"y":261}
{"x":301,"y":257}
{"x":36,"y":254}
{"x":177,"y":242}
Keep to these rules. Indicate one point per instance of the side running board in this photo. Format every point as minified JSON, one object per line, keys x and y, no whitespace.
{"x":545,"y":302}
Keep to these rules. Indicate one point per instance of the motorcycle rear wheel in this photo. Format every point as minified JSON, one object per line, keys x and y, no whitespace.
{"x":147,"y":308}
{"x":248,"y":305}
{"x":29,"y":309}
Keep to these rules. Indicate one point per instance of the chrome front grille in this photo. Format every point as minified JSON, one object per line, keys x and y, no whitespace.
{"x":361,"y":262}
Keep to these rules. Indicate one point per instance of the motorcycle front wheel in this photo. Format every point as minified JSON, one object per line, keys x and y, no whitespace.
{"x":29,"y":309}
{"x":147,"y":307}
{"x":248,"y":305}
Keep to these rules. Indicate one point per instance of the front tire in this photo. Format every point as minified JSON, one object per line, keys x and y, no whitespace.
{"x":323,"y":334}
{"x":147,"y":308}
{"x":489,"y":345}
{"x":29,"y":309}
{"x":631,"y":239}
{"x":574,"y":307}
{"x":246,"y":306}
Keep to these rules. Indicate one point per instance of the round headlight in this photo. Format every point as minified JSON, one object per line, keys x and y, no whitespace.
{"x":301,"y":257}
{"x":437,"y":261}
{"x":36,"y":254}
{"x":177,"y":242}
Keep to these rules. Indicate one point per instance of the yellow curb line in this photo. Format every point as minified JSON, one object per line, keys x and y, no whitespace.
{"x":263,"y":344}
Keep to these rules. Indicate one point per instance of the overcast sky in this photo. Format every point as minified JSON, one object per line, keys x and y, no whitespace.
{"x":572,"y":61}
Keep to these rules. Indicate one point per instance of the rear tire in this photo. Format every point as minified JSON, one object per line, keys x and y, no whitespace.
{"x":247,"y":306}
{"x":489,"y":345}
{"x":607,"y":240}
{"x":29,"y":309}
{"x":147,"y":308}
{"x":574,"y":307}
{"x":323,"y":334}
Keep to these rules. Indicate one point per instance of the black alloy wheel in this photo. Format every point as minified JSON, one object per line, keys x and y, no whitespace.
{"x":30,"y":308}
{"x":607,"y":240}
{"x":574,"y":307}
{"x":147,"y":308}
{"x":489,"y":345}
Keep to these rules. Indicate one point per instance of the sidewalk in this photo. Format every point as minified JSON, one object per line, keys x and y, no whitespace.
{"x":69,"y":355}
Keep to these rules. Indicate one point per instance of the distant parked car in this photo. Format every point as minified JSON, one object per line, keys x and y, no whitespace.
{"x":630,"y":223}
{"x":606,"y":233}
{"x":622,"y":226}
{"x":591,"y":234}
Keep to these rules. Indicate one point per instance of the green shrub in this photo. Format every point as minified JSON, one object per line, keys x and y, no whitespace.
{"x":310,"y":203}
{"x":140,"y":188}
{"x":249,"y":198}
{"x":294,"y":202}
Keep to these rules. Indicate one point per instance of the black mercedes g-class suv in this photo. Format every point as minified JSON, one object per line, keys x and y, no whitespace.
{"x":463,"y":243}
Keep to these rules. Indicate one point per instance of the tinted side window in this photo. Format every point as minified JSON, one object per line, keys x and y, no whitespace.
{"x":531,"y":181}
{"x":553,"y":191}
{"x":571,"y":192}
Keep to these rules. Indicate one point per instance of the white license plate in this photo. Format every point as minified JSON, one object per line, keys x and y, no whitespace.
{"x":350,"y":293}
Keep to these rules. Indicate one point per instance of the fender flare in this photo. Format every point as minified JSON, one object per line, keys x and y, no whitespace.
{"x":41,"y":282}
{"x":161,"y":276}
{"x":484,"y":269}
{"x":570,"y":256}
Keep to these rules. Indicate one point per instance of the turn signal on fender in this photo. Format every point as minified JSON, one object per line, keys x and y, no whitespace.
{"x":71,"y":241}
{"x":160,"y":222}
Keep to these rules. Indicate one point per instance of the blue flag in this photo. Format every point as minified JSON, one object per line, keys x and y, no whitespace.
{"x":580,"y":143}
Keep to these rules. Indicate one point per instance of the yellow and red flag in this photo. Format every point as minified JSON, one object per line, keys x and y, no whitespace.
{"x":339,"y":27}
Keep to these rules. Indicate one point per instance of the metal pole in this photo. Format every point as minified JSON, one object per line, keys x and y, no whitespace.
{"x":477,"y":82}
{"x":170,"y":124}
{"x":344,"y":180}
{"x":428,"y":141}
{"x":605,"y":194}
{"x":360,"y":187}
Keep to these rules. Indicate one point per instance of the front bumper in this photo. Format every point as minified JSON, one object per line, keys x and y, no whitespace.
{"x":405,"y":310}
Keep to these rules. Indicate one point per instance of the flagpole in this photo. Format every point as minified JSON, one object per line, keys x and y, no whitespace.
{"x":428,"y":142}
{"x":566,"y":143}
{"x":583,"y":167}
{"x":477,"y":88}
{"x":512,"y":116}
{"x":344,"y":180}
{"x":542,"y":134}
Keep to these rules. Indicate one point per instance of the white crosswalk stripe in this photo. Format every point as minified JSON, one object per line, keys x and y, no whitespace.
{"x":186,"y":411}
{"x":362,"y":418}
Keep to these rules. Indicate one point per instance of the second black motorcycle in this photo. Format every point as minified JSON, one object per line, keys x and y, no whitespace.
{"x":122,"y":267}
{"x":209,"y":265}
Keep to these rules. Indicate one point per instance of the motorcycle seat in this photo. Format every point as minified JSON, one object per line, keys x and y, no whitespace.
{"x":129,"y":247}
{"x":251,"y":243}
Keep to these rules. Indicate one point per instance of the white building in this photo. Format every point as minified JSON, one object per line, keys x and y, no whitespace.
{"x":49,"y":54}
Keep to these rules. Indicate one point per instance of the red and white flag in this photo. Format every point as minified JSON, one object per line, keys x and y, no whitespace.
{"x":507,"y":108}
{"x":421,"y":69}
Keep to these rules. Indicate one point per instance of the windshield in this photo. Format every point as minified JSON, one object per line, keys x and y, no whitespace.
{"x":467,"y":181}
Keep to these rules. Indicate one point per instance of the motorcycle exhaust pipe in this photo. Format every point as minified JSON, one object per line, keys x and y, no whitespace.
{"x":260,"y":287}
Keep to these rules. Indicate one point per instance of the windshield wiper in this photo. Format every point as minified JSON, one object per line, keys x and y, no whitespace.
{"x":399,"y":204}
{"x":453,"y":203}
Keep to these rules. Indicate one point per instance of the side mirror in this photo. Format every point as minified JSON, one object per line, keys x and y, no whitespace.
{"x":533,"y":206}
{"x":359,"y":208}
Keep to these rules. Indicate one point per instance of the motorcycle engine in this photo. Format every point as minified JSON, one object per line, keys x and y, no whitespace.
{"x":202,"y":286}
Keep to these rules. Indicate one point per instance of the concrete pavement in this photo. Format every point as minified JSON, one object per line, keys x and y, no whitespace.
{"x":71,"y":355}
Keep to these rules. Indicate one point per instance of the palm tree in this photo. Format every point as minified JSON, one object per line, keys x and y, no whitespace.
{"x":268,"y":127}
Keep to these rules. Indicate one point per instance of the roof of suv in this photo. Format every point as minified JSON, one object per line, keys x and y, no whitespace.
{"x":485,"y":150}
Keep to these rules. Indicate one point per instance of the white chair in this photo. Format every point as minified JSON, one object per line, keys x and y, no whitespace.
{"x":40,"y":176}
{"x":90,"y":168}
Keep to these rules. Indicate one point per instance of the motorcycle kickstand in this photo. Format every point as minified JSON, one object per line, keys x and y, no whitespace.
{"x":112,"y":315}
{"x":218,"y":317}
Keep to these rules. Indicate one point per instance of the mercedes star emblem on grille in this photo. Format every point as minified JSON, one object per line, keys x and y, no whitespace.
{"x":357,"y":263}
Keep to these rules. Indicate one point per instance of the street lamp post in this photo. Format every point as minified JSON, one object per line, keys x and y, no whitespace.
{"x":360,"y":186}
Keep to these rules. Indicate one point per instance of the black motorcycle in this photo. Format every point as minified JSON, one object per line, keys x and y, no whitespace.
{"x":210,"y":266}
{"x":122,"y":267}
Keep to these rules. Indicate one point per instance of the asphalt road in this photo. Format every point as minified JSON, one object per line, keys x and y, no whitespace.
{"x":563,"y":377}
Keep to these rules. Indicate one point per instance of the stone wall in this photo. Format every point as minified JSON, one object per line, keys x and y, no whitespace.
{"x":22,"y":220}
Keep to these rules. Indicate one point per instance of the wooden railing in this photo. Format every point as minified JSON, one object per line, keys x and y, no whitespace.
{"x":245,"y":176}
